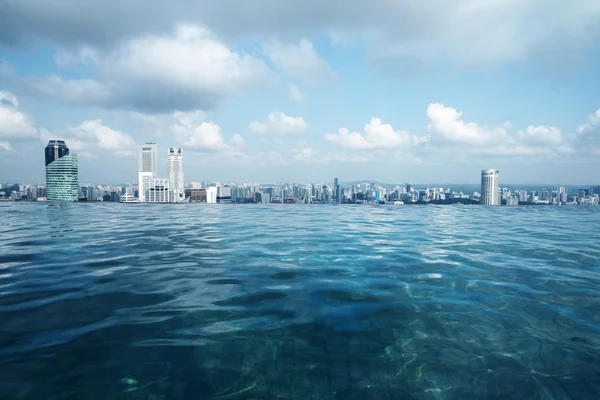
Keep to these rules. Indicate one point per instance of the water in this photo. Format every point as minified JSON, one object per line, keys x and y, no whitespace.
{"x":116,"y":301}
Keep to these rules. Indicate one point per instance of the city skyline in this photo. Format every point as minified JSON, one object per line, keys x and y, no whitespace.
{"x":306,"y":91}
{"x":62,"y":184}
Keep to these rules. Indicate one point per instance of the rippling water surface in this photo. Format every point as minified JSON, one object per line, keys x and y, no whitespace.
{"x":101,"y":301}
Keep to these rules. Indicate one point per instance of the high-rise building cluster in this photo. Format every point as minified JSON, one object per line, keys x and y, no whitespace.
{"x":151,"y":188}
{"x":62,"y":184}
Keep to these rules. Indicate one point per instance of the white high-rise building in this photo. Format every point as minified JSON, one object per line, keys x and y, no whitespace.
{"x":158,"y":191}
{"x":148,"y":155}
{"x":211,"y":194}
{"x":490,"y":191}
{"x":175,"y":168}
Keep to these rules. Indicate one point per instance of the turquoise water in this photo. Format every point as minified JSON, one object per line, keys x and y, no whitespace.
{"x":102,"y":301}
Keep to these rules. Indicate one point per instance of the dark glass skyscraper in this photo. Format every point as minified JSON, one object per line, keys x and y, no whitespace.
{"x":62,"y":172}
{"x":55,"y":150}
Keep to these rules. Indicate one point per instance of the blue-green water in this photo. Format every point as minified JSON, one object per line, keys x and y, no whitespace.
{"x":299,"y":302}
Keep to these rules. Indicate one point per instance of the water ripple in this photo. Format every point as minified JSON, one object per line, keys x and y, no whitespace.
{"x":337,"y":302}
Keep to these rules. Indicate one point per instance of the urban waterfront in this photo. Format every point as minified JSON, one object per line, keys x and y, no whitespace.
{"x":264,"y":301}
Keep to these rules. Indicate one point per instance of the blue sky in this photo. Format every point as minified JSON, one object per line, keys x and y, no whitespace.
{"x":260,"y":91}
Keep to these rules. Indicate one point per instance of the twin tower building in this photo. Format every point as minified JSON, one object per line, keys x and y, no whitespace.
{"x":152,"y":189}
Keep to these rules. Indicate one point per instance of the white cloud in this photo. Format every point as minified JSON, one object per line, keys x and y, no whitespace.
{"x":299,"y":60}
{"x":295,"y":94}
{"x":192,"y":132}
{"x":205,"y":136}
{"x":461,"y":138}
{"x":306,"y":154}
{"x":279,"y":122}
{"x":238,"y":141}
{"x":188,"y":69}
{"x":594,"y":120}
{"x":86,"y":55}
{"x":92,"y":135}
{"x":542,"y":134}
{"x":6,"y":146}
{"x":446,"y":120}
{"x":14,"y":124}
{"x":377,"y":136}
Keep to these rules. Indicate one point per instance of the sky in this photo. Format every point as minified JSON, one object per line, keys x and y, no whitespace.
{"x":263,"y":91}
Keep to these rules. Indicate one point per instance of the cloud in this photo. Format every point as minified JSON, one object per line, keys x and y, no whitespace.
{"x":85,"y":55}
{"x":238,"y":141}
{"x":303,"y":152}
{"x":295,"y":94}
{"x":542,"y":134}
{"x":193,"y":133}
{"x":377,"y":136}
{"x":14,"y":124}
{"x":6,"y":146}
{"x":92,"y":137}
{"x":279,"y":122}
{"x":299,"y":60}
{"x":446,"y":120}
{"x":594,"y":120}
{"x":461,"y":138}
{"x":185,"y":70}
{"x":465,"y":31}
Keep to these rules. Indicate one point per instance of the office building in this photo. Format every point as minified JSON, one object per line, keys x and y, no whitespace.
{"x":512,"y":201}
{"x":562,"y":194}
{"x":129,"y":197}
{"x":198,"y":196}
{"x":62,"y":173}
{"x":148,"y":155}
{"x":175,"y":169}
{"x":157,"y":190}
{"x":211,"y":195}
{"x":223,"y":194}
{"x":490,"y":191}
{"x":336,"y":188}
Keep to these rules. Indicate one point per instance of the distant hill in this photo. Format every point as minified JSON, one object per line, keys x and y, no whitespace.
{"x":8,"y":190}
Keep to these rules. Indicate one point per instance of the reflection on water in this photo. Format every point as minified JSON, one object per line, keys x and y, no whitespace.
{"x":263,"y":302}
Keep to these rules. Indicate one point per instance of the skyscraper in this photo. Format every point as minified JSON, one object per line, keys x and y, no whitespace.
{"x":62,"y":173}
{"x":175,"y":168}
{"x":148,"y":154}
{"x":336,"y":188}
{"x":490,"y":192}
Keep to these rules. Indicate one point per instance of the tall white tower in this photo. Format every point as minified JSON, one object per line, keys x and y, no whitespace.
{"x":490,"y":191}
{"x":148,"y":154}
{"x":175,"y":168}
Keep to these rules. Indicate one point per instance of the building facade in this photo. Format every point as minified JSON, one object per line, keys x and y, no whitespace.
{"x":62,"y":172}
{"x":157,"y":190}
{"x":490,"y":191}
{"x":198,"y":196}
{"x":211,"y":194}
{"x":148,"y":155}
{"x":175,"y":168}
